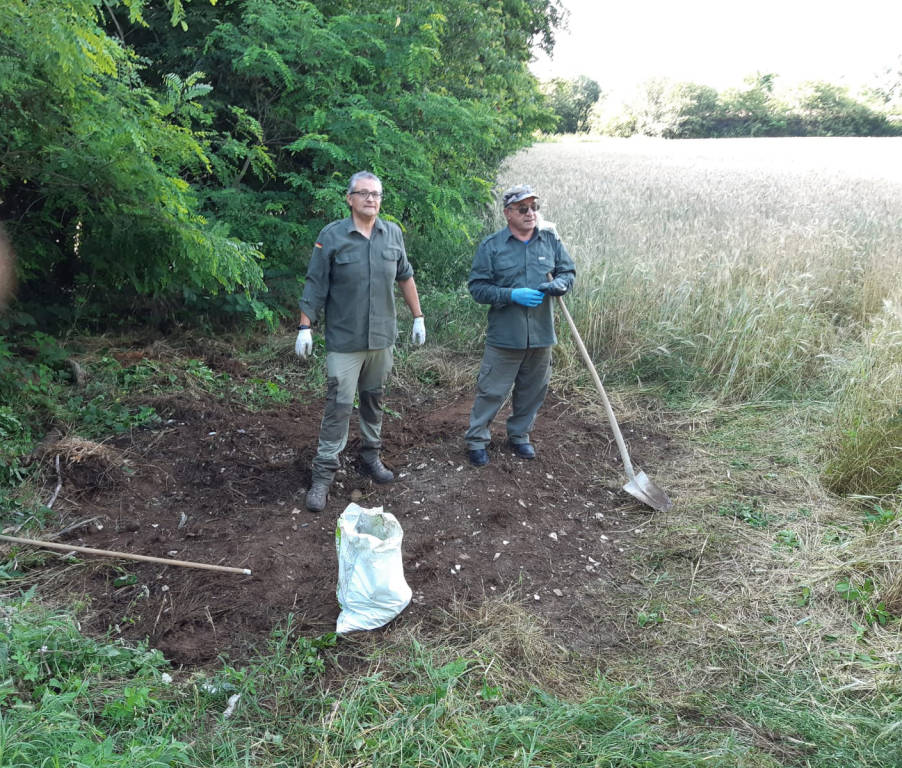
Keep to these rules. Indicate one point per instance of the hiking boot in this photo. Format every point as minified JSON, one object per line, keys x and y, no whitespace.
{"x":479,"y":457}
{"x":523,"y":450}
{"x":317,"y":495}
{"x":378,"y":471}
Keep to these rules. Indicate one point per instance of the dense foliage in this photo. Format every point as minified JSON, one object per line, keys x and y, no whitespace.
{"x":155,"y":150}
{"x":92,"y":180}
{"x":680,"y":110}
{"x":572,"y":102}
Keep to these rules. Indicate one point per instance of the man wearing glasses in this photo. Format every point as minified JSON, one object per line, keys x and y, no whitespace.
{"x":513,"y":272}
{"x":350,"y":283}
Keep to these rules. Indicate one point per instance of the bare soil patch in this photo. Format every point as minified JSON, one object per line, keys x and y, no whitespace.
{"x":217,"y":483}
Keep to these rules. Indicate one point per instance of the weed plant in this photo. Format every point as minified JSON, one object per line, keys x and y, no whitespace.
{"x":68,"y":700}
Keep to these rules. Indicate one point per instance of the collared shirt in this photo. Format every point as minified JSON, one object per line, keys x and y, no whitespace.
{"x":502,"y":263}
{"x":350,"y":282}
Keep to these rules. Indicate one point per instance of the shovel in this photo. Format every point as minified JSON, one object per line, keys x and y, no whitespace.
{"x":639,"y":485}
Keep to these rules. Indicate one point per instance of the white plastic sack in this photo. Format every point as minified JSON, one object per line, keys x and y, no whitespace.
{"x":371,"y":586}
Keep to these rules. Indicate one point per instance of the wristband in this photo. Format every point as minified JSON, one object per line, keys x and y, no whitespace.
{"x":303,"y":327}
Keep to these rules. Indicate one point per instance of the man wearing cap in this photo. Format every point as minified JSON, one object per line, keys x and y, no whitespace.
{"x":514,"y":272}
{"x":350,"y":282}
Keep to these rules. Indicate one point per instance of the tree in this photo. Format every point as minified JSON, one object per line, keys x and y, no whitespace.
{"x":653,"y":111}
{"x":92,"y":165}
{"x":689,"y":110}
{"x":698,"y":111}
{"x":887,"y":91}
{"x":572,"y":102}
{"x":429,"y":96}
{"x":156,"y":148}
{"x":828,"y":110}
{"x":753,"y":110}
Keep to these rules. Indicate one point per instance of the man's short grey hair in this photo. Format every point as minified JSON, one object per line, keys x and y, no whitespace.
{"x":363,"y":175}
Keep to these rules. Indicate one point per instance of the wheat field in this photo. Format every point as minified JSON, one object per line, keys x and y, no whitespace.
{"x":743,"y":269}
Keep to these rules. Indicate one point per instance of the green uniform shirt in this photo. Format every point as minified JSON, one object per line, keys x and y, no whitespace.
{"x":502,"y":263}
{"x":350,"y":282}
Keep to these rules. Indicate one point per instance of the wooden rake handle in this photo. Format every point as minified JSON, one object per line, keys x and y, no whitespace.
{"x":124,"y":555}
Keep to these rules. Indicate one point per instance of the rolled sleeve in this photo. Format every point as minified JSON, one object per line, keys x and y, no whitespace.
{"x":316,"y":285}
{"x":404,"y":271}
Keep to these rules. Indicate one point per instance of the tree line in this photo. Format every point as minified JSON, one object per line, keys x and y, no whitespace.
{"x":159,"y":156}
{"x":685,"y":110}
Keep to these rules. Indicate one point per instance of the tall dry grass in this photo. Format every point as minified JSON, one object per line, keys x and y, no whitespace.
{"x":739,"y":266}
{"x":864,"y":446}
{"x":743,"y":270}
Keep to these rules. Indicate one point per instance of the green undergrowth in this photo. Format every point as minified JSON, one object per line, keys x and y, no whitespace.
{"x":94,"y":388}
{"x":487,"y":692}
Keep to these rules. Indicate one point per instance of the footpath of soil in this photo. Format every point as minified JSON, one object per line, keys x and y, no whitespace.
{"x":219,"y":484}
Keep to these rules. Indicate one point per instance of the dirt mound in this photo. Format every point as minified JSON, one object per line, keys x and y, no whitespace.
{"x":218,"y":484}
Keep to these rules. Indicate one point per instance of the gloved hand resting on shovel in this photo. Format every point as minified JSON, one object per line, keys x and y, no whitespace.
{"x":557,"y":287}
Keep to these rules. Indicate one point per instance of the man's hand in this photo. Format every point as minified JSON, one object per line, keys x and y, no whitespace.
{"x":304,"y":344}
{"x":527,"y":297}
{"x":418,"y":335}
{"x":556,"y":287}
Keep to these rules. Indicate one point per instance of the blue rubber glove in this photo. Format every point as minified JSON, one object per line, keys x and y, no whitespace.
{"x":528,"y":297}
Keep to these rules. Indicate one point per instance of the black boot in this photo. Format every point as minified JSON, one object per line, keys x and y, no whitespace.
{"x":378,"y":471}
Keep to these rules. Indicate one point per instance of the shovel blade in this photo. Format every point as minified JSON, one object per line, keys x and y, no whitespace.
{"x":648,"y":493}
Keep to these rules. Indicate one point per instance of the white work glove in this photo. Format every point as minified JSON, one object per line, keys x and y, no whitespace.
{"x":304,"y":344}
{"x":418,"y":335}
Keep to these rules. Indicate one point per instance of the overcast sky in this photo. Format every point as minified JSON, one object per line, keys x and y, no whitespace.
{"x":620,"y":43}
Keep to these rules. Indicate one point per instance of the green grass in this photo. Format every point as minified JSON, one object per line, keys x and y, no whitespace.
{"x":68,"y":700}
{"x":484,"y":691}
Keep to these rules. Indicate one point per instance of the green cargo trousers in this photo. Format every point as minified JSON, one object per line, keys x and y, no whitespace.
{"x":349,"y":373}
{"x":528,"y":371}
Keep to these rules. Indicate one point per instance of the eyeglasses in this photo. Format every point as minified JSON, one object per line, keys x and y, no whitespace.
{"x":367,"y":195}
{"x":524,"y":209}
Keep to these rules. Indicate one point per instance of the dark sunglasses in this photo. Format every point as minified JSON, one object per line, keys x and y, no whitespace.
{"x":524,"y":209}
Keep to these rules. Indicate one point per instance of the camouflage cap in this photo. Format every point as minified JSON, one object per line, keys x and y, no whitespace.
{"x":517,"y":193}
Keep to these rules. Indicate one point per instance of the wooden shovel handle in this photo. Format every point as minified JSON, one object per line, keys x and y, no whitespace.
{"x":615,"y":428}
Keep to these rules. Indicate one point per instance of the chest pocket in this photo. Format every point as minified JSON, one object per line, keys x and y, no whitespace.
{"x":349,"y":268}
{"x":541,"y":264}
{"x":506,"y":267}
{"x":347,"y":256}
{"x":390,"y":259}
